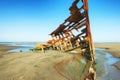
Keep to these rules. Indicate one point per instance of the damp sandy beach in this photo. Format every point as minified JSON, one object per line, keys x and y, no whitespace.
{"x":41,"y":66}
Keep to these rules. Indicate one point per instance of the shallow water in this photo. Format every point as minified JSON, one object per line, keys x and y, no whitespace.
{"x":24,"y":46}
{"x":105,"y":68}
{"x":25,"y":49}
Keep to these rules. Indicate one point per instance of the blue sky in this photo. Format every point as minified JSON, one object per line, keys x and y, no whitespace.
{"x":34,"y":20}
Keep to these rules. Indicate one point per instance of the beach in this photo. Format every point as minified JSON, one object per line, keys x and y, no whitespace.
{"x":41,"y":66}
{"x":31,"y":65}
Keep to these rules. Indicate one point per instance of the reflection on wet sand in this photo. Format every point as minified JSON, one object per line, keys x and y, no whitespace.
{"x":105,"y":68}
{"x":74,"y":69}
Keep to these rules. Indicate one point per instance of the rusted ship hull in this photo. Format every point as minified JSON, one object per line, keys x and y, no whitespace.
{"x":74,"y":35}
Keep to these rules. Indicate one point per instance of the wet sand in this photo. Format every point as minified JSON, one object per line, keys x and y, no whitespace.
{"x":31,"y":66}
{"x":117,"y":64}
{"x":114,"y":49}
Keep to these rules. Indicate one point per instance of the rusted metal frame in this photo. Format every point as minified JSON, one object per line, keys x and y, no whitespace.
{"x":58,"y":34}
{"x":68,"y":38}
{"x":61,"y":33}
{"x":79,"y":35}
{"x":80,"y":22}
{"x":85,"y":2}
{"x":75,"y":38}
{"x":54,"y":40}
{"x":61,"y":40}
{"x":63,"y":29}
{"x":84,"y":30}
{"x":72,"y":33}
{"x":60,"y":43}
{"x":69,"y":26}
{"x":59,"y":28}
{"x":79,"y":25}
{"x":82,"y":7}
{"x":74,"y":22}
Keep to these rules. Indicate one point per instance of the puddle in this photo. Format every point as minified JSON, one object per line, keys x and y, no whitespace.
{"x":111,"y":60}
{"x":24,"y":49}
{"x":105,"y":68}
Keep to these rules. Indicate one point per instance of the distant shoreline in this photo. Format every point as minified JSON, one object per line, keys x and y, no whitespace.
{"x":5,"y":47}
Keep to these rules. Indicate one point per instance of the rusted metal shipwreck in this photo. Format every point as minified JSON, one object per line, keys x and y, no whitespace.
{"x":74,"y":33}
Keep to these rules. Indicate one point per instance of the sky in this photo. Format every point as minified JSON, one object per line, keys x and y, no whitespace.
{"x":34,"y":20}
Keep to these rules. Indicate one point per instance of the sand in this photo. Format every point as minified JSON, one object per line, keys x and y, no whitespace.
{"x":31,"y":66}
{"x":113,"y":48}
{"x":117,"y":64}
{"x":38,"y":65}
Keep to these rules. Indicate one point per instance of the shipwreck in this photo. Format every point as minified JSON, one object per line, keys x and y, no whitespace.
{"x":74,"y":34}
